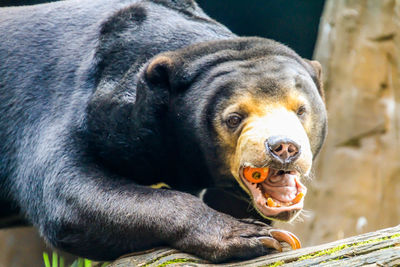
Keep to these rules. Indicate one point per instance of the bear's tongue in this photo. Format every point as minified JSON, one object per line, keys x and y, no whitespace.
{"x":280,"y":186}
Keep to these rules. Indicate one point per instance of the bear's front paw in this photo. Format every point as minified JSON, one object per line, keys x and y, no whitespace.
{"x":228,"y":238}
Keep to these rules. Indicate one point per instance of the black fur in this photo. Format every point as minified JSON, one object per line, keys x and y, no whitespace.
{"x":83,"y":129}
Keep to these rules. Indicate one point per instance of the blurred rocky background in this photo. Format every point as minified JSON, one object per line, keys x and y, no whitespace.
{"x":356,"y":182}
{"x":356,"y":186}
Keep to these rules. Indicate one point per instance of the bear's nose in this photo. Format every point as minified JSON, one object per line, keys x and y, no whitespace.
{"x":282,"y":149}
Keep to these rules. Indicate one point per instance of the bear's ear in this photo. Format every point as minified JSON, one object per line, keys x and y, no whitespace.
{"x":158,"y":71}
{"x":318,"y":76}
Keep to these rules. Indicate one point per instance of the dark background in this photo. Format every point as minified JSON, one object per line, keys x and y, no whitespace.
{"x":292,"y":22}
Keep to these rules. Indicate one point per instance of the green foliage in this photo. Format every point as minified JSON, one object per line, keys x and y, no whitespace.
{"x":46,"y":259}
{"x":54,"y":260}
{"x":58,"y":261}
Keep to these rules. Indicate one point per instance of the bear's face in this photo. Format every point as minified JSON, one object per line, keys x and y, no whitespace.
{"x":272,"y":122}
{"x":259,"y":121}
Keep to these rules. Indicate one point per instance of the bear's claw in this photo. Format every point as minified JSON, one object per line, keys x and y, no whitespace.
{"x":285,"y":236}
{"x":271,"y":243}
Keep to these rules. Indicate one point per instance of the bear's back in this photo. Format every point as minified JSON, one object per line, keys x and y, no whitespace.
{"x":52,"y":57}
{"x":48,"y":46}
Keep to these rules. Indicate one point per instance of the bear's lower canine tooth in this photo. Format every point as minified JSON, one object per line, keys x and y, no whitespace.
{"x":298,"y":198}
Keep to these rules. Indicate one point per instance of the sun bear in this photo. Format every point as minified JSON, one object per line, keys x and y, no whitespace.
{"x":100,"y":100}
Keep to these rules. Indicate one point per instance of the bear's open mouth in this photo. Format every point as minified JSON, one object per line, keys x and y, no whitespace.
{"x":281,"y":191}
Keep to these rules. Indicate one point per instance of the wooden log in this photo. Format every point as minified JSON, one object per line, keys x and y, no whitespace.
{"x":380,"y":248}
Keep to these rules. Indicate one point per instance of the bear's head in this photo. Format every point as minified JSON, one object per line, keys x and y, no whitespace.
{"x":255,"y":110}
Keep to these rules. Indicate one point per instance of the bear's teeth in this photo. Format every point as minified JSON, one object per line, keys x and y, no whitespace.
{"x":271,"y":203}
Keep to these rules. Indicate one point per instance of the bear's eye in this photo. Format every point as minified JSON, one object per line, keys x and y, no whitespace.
{"x":301,"y":111}
{"x":233,"y":120}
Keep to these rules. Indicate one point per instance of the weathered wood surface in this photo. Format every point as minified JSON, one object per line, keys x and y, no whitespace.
{"x":380,"y":248}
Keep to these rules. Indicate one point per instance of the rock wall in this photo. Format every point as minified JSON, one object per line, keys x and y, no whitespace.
{"x":22,"y":246}
{"x":356,"y":187}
